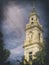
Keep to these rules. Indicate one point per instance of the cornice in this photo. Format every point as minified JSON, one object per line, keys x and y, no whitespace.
{"x":32,"y":26}
{"x":41,"y":44}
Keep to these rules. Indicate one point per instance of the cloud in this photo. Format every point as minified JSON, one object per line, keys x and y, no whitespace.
{"x":14,"y":28}
{"x":17,"y":52}
{"x":14,"y":24}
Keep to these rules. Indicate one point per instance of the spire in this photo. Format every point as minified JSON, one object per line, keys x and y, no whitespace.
{"x":34,"y":6}
{"x":34,"y":12}
{"x":34,"y":2}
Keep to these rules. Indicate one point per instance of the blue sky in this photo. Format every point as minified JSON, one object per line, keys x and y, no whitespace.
{"x":14,"y":22}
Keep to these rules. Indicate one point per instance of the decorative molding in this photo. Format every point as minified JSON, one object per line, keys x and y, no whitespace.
{"x":32,"y":26}
{"x":41,"y":44}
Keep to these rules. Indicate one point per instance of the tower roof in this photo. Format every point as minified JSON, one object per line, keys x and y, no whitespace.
{"x":34,"y":12}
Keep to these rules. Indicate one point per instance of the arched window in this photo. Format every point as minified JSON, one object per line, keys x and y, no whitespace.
{"x":30,"y":56}
{"x":31,"y":18}
{"x":39,"y":37}
{"x":31,"y":22}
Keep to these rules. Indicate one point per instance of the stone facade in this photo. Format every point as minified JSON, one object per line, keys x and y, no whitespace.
{"x":34,"y":37}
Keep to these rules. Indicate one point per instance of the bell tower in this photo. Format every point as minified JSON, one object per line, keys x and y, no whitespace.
{"x":34,"y":37}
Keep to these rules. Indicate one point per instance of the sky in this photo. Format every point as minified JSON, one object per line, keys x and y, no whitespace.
{"x":15,"y":17}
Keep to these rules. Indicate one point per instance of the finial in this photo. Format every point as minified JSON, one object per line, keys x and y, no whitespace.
{"x":34,"y":2}
{"x":34,"y":6}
